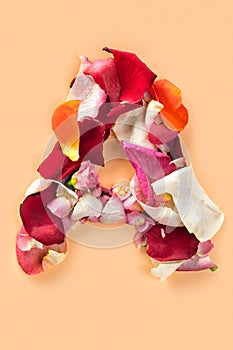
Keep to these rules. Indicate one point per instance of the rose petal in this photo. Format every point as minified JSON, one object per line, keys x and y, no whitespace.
{"x":140,"y":240}
{"x":65,"y":126}
{"x":86,"y":90}
{"x":105,"y":74}
{"x":135,"y":77}
{"x":204,"y":248}
{"x":88,"y":205}
{"x":198,"y":213}
{"x":170,"y":96}
{"x":60,"y":207}
{"x":52,"y":258}
{"x":57,"y":166}
{"x":113,"y":211}
{"x":164,"y":215}
{"x":154,"y":164}
{"x":164,"y":270}
{"x":168,"y":243}
{"x":43,"y":227}
{"x":130,"y":127}
{"x":32,"y":260}
{"x":197,"y":263}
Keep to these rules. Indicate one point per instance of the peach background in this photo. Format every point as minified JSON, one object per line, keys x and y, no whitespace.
{"x":107,"y":299}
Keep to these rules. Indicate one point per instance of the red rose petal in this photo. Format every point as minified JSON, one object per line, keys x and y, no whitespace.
{"x":30,"y":260}
{"x":135,"y":77}
{"x":39,"y":224}
{"x":105,"y":74}
{"x":168,"y":243}
{"x":57,"y":166}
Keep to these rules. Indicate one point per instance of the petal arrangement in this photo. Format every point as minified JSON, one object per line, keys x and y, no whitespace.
{"x":119,"y":98}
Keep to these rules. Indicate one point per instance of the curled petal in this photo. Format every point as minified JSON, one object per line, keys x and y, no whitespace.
{"x":135,"y":77}
{"x":152,"y":111}
{"x":168,"y":243}
{"x":113,"y":211}
{"x":198,"y":213}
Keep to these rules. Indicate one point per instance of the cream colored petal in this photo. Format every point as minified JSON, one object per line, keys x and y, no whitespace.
{"x":113,"y":212}
{"x":198,"y":213}
{"x":164,"y":270}
{"x":164,"y":215}
{"x":86,"y":90}
{"x":88,"y":205}
{"x":52,"y":258}
{"x":153,"y":109}
{"x":130,"y":127}
{"x":38,"y":185}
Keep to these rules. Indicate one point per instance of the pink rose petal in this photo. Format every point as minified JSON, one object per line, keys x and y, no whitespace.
{"x":197,"y":263}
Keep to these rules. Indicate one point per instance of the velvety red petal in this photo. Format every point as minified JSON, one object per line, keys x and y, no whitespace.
{"x":168,"y":243}
{"x":38,"y":222}
{"x":105,"y":74}
{"x":58,"y":167}
{"x":135,"y":77}
{"x":30,"y":260}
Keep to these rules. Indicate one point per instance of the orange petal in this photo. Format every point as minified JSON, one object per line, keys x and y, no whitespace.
{"x":170,"y":96}
{"x":65,"y":126}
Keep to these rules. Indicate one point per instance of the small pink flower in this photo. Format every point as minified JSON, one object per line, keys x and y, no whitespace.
{"x":86,"y":178}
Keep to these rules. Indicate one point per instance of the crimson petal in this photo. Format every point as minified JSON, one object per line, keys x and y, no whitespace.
{"x":39,"y":224}
{"x":166,"y":243}
{"x":58,"y":167}
{"x":104,"y":72}
{"x":135,"y":77}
